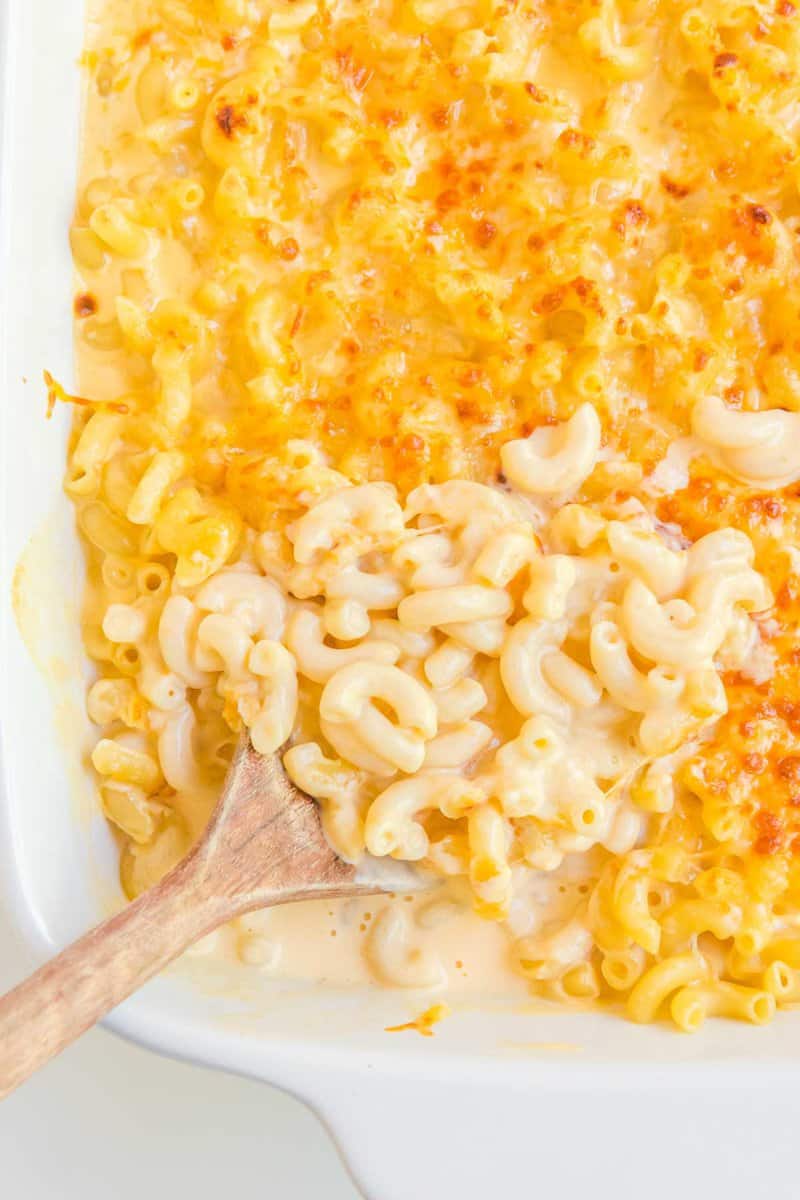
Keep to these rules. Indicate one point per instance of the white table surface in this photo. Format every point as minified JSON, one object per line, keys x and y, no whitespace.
{"x":107,"y":1119}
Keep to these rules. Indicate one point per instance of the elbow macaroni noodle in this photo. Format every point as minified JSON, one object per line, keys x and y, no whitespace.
{"x":442,"y":434}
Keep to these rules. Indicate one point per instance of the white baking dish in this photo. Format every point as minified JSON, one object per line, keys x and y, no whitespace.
{"x":497,"y":1099}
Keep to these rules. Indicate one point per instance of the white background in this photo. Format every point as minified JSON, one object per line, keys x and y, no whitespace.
{"x":108,"y":1121}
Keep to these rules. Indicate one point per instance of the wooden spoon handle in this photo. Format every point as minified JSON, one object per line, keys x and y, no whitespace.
{"x":47,"y":1012}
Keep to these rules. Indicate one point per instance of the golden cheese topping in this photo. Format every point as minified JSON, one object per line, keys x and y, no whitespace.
{"x":415,"y":232}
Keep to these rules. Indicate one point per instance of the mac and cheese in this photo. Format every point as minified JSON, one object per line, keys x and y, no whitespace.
{"x":440,"y":429}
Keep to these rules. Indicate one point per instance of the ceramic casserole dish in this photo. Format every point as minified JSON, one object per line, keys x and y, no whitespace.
{"x":499,"y":1099}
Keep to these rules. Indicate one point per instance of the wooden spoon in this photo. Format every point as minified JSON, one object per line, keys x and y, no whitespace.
{"x":264,"y":845}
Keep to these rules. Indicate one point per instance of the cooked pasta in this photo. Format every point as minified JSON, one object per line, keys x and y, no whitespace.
{"x":440,"y":430}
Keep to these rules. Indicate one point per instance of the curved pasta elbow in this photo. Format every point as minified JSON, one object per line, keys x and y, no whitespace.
{"x":521,"y":668}
{"x":256,"y":602}
{"x":446,"y":606}
{"x":657,"y":637}
{"x":761,"y":448}
{"x":349,"y":706}
{"x":396,"y":959}
{"x":305,"y":637}
{"x":365,"y":514}
{"x":555,"y":459}
{"x":391,"y":826}
{"x":277,"y":672}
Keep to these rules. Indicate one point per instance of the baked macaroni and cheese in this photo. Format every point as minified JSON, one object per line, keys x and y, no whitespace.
{"x":439,"y":425}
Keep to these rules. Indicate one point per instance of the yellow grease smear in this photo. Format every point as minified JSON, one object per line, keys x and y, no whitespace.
{"x":425,"y":1021}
